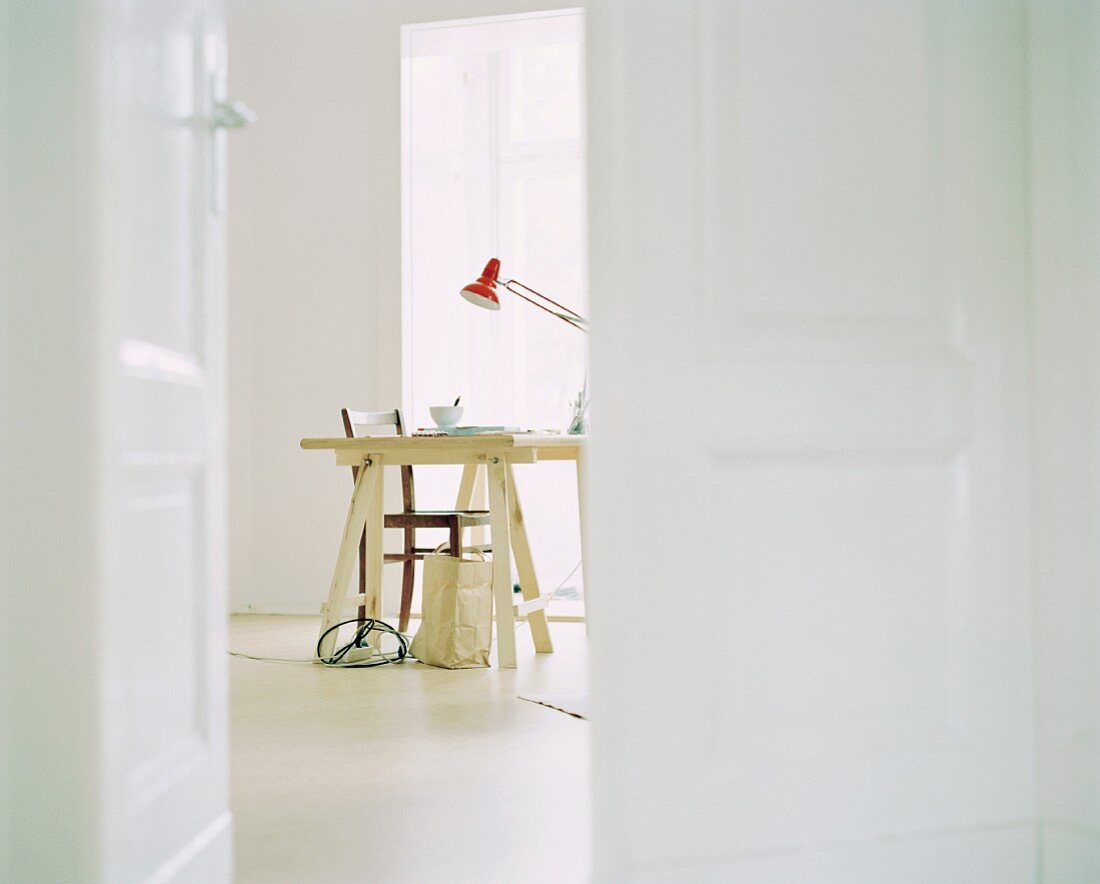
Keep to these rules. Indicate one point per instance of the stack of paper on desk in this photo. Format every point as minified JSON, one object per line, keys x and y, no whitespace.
{"x":466,"y":431}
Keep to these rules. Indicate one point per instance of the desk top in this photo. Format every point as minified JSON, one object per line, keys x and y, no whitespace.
{"x":515,"y":447}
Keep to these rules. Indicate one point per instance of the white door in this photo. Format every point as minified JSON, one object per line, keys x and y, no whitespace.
{"x":164,"y":295}
{"x":810,"y":544}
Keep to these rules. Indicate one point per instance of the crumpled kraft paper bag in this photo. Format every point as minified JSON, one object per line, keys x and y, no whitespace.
{"x":457,"y":626}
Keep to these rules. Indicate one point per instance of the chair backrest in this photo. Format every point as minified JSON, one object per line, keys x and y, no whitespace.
{"x":356,"y":422}
{"x":355,"y":425}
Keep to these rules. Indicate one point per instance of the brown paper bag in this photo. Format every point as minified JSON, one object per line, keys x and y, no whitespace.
{"x":457,"y":625}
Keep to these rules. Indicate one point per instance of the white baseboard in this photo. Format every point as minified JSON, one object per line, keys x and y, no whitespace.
{"x":305,"y":610}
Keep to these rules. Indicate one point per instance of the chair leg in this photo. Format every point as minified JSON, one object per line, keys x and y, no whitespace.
{"x":363,"y":576}
{"x":408,"y":577}
{"x":455,"y":539}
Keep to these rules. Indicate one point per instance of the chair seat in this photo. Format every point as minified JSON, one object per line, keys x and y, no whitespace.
{"x":418,"y":554}
{"x":437,"y":519}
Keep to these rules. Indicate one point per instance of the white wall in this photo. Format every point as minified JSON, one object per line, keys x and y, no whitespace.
{"x":313,"y":316}
{"x":1065,"y":143}
{"x":314,"y":270}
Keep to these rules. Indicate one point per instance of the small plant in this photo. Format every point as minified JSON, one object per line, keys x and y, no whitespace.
{"x":579,"y":425}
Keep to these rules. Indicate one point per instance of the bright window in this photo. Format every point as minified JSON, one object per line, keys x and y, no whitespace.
{"x":494,"y":166}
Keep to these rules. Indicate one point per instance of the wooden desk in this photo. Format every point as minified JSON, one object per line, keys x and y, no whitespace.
{"x":493,"y":454}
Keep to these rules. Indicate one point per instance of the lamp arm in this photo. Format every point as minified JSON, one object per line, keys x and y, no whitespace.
{"x":566,"y":315}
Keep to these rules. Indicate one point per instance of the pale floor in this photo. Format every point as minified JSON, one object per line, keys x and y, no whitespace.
{"x":405,"y":773}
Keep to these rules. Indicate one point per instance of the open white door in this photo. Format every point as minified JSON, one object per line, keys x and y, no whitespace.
{"x":809,"y":240}
{"x":115,"y":444}
{"x":166,"y":598}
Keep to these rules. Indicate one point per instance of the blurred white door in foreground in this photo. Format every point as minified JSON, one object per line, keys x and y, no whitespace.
{"x":809,"y":236}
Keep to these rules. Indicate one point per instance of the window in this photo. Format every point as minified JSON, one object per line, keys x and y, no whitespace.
{"x":494,"y":166}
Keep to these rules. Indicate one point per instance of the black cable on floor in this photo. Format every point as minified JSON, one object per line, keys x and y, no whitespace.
{"x":359,"y":640}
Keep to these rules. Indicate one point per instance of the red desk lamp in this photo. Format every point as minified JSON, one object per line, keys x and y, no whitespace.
{"x":483,"y":292}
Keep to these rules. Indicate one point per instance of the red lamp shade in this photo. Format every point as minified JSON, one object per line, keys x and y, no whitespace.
{"x":483,"y":292}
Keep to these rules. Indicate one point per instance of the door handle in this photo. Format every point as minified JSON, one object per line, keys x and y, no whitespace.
{"x":231,"y":115}
{"x":224,"y":115}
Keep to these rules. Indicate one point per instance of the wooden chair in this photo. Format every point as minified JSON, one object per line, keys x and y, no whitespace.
{"x":410,"y":518}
